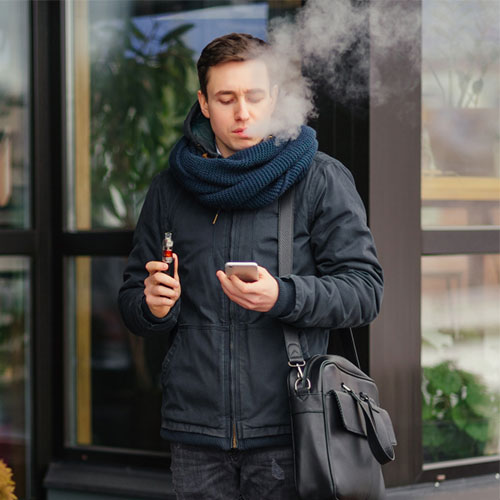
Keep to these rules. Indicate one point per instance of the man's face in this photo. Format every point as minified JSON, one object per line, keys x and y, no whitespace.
{"x":238,"y":96}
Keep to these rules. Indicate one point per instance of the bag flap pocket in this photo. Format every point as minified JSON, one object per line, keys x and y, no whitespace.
{"x":350,"y":413}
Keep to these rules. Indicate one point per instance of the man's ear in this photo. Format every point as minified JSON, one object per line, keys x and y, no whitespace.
{"x":203,"y":104}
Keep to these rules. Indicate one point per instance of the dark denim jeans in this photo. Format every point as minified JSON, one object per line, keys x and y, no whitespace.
{"x":212,"y":474}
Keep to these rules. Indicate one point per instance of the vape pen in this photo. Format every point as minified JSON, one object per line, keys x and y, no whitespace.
{"x":167,"y":253}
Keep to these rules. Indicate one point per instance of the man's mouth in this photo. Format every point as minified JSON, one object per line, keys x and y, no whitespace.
{"x":240,"y":132}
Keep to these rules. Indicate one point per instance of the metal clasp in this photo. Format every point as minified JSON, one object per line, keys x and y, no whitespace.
{"x":298,"y":365}
{"x":300,"y":376}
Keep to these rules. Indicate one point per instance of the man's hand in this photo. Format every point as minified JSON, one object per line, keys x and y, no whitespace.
{"x":160,"y":289}
{"x":260,"y":295}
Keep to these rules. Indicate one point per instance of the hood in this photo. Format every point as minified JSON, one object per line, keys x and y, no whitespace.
{"x":198,"y":131}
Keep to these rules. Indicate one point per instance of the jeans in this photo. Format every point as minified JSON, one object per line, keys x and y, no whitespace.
{"x":213,"y":474}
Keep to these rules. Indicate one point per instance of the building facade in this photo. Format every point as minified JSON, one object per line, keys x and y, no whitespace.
{"x":92,"y":99}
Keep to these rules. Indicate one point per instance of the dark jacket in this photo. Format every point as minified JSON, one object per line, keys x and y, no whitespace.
{"x":224,"y":377}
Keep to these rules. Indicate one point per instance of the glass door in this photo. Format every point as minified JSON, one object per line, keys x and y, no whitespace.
{"x":460,"y":216}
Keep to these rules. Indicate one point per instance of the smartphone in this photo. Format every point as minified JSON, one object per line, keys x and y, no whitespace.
{"x":246,"y":271}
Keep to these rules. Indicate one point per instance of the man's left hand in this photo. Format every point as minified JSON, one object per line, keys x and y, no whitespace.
{"x":260,"y":295}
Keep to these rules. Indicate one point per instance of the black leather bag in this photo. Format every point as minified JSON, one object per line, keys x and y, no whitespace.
{"x":341,"y":435}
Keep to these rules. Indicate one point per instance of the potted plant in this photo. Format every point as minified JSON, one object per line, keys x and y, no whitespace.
{"x":459,"y":413}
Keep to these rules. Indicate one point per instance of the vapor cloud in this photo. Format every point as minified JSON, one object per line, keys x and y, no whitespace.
{"x":328,"y":43}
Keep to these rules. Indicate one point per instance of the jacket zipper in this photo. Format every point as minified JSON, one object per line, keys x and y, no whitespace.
{"x":234,"y":438}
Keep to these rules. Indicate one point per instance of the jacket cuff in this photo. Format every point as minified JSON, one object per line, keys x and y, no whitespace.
{"x":151,"y":318}
{"x":286,"y":298}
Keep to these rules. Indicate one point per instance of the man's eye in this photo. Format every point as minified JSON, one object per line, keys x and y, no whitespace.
{"x":254,"y":100}
{"x":229,"y":101}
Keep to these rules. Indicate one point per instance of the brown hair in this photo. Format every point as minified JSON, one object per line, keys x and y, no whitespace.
{"x":232,"y":47}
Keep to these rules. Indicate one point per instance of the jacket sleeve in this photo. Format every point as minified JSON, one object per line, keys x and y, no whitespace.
{"x":347,"y":289}
{"x":146,"y":246}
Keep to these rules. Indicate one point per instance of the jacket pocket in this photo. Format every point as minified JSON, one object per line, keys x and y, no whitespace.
{"x":194,"y":389}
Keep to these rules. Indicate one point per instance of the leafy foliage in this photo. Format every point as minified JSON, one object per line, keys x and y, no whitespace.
{"x":459,"y":413}
{"x":141,"y":90}
{"x":6,"y":483}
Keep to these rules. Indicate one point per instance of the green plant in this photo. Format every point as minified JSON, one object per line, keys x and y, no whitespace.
{"x":459,"y":413}
{"x":141,"y":88}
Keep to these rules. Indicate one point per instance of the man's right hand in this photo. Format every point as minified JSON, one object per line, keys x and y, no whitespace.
{"x":161,"y":290}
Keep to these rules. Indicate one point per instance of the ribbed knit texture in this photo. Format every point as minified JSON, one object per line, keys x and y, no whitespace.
{"x":249,"y":179}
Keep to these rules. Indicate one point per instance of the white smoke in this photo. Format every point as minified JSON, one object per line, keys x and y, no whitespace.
{"x":329,"y":41}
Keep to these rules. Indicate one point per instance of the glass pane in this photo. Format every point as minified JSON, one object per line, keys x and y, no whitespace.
{"x":14,"y":369}
{"x":15,"y":150}
{"x":131,"y":81}
{"x":460,"y":120}
{"x":460,"y":353}
{"x":114,"y":393}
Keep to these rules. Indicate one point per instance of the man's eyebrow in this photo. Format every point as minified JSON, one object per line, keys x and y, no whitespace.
{"x":224,"y":92}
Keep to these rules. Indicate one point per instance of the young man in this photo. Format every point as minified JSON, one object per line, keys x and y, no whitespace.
{"x":225,"y":404}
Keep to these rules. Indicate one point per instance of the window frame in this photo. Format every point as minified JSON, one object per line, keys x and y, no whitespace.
{"x":395,"y":337}
{"x":372,"y":137}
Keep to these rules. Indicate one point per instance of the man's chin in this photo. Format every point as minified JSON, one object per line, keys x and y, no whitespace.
{"x":246,"y":142}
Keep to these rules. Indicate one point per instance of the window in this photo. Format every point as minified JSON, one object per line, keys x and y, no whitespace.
{"x":130,"y":81}
{"x":435,"y":220}
{"x":460,"y":346}
{"x":15,"y":228}
{"x":15,"y":391}
{"x":460,"y":217}
{"x":460,"y":101}
{"x":14,"y":116}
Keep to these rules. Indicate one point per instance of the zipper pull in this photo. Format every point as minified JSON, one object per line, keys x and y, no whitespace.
{"x":216,"y":216}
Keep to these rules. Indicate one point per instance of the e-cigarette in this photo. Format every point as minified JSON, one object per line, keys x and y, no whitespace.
{"x":167,"y":254}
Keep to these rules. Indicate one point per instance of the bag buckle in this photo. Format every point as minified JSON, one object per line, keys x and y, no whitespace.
{"x":300,"y":374}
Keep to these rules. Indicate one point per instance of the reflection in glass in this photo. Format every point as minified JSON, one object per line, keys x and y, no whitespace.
{"x":14,"y":368}
{"x":14,"y":114}
{"x":131,"y":81}
{"x":460,"y":121}
{"x":460,"y":353}
{"x":114,"y":394}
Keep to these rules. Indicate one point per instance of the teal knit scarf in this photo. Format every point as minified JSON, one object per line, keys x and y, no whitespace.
{"x":249,"y":179}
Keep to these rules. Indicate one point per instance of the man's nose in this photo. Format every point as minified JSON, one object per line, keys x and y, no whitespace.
{"x":241,"y":112}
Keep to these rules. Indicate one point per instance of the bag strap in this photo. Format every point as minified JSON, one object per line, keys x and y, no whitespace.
{"x":285,"y":264}
{"x":376,"y":430}
{"x":285,"y":260}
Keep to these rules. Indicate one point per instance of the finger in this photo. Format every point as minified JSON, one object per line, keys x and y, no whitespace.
{"x":244,"y":300}
{"x":164,"y":291}
{"x":155,"y":301}
{"x":263,"y":272}
{"x":243,"y":287}
{"x":176,"y":266}
{"x":227,"y":285}
{"x":164,"y":279}
{"x":155,"y":266}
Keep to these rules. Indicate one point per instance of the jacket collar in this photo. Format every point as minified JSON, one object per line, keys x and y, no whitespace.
{"x":198,"y":131}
